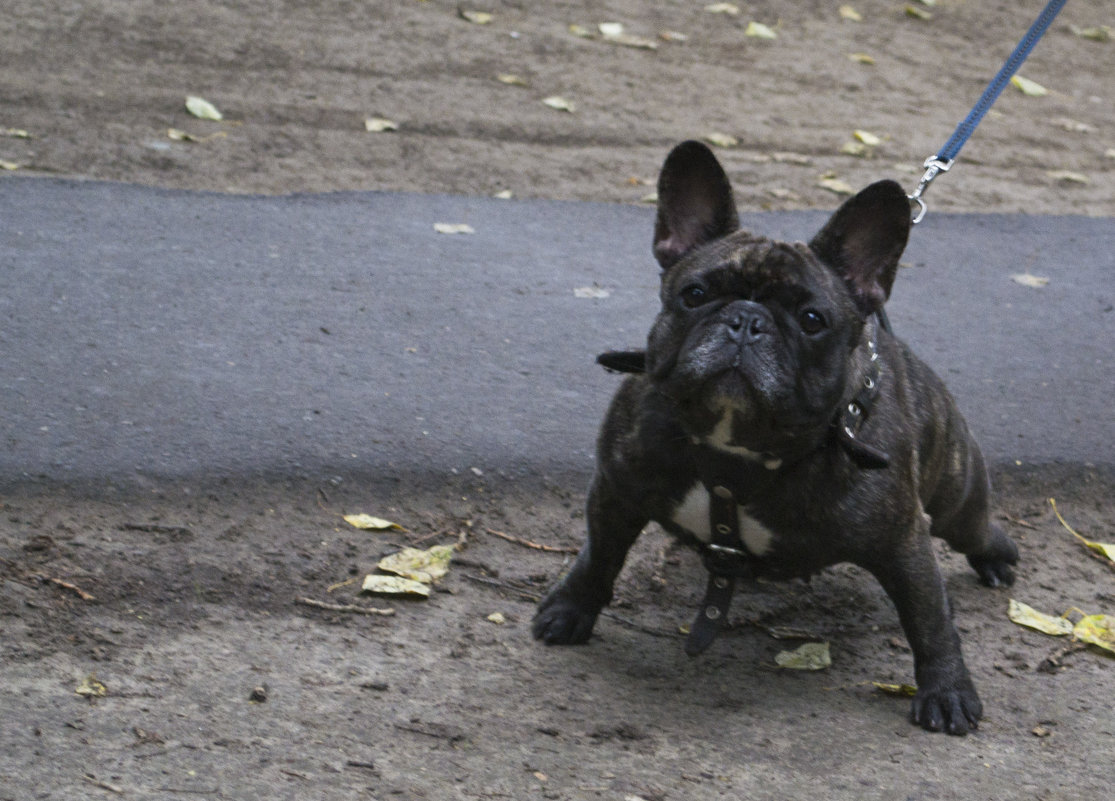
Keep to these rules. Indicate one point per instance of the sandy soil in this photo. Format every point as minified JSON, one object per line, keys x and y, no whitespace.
{"x":181,"y":599}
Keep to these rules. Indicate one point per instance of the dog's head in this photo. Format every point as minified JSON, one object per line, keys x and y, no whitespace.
{"x":758,"y":341}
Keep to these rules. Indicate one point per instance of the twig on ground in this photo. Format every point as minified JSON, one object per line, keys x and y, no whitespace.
{"x":353,"y":608}
{"x":71,"y":587}
{"x":529,"y":544}
{"x":93,"y":780}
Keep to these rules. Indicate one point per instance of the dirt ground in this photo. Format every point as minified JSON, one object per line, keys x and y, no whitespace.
{"x":181,"y":598}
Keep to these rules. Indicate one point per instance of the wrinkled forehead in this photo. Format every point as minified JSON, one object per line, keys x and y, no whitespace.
{"x":748,"y":260}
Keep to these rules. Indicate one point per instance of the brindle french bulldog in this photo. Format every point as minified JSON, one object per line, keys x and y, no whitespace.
{"x":776,"y":425}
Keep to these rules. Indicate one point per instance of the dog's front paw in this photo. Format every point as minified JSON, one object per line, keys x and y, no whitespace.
{"x":993,"y":566}
{"x":560,"y":620}
{"x":955,"y":709}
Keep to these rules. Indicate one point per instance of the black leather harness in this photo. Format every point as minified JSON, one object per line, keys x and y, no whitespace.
{"x":726,"y":555}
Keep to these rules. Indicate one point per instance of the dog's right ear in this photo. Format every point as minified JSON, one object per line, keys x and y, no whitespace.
{"x":695,"y":203}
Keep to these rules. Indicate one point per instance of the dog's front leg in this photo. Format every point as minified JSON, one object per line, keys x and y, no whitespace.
{"x":568,"y":612}
{"x":946,"y":699}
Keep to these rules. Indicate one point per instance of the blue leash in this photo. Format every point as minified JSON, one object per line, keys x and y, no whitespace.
{"x":935,"y":165}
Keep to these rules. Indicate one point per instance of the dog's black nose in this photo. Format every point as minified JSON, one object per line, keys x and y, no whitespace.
{"x":748,"y":324}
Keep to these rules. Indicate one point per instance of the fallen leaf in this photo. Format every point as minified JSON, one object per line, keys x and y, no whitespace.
{"x":1097,"y":33}
{"x":180,"y":136}
{"x":497,"y":618}
{"x":1109,"y":153}
{"x":1104,"y":548}
{"x":1028,"y":87}
{"x":723,"y":8}
{"x":512,"y":80}
{"x":721,"y":139}
{"x":202,"y":108}
{"x":417,"y":565}
{"x":559,"y":103}
{"x":836,"y":185}
{"x":850,"y":14}
{"x":1035,"y":281}
{"x":649,"y":198}
{"x":15,"y":133}
{"x":858,"y":149}
{"x":758,"y":30}
{"x":810,"y":656}
{"x":793,"y":158}
{"x":918,"y":13}
{"x":475,"y":17}
{"x":868,"y":138}
{"x":590,"y":292}
{"x":454,"y":228}
{"x":91,"y":688}
{"x":1027,"y":616}
{"x":369,"y":523}
{"x":862,"y":58}
{"x":394,"y":585}
{"x":1071,"y":125}
{"x":9,"y":165}
{"x":504,"y":194}
{"x":903,"y":690}
{"x":610,"y":28}
{"x":1069,"y":177}
{"x":379,"y":125}
{"x":1098,"y":630}
{"x":673,"y":36}
{"x":1041,"y":730}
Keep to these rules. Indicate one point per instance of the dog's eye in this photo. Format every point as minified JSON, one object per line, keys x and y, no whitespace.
{"x":693,"y":296}
{"x":812,"y":321}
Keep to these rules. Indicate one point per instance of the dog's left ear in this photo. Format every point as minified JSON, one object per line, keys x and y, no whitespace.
{"x":863,"y":241}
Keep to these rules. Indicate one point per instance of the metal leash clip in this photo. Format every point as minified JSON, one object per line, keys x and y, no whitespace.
{"x":934,"y":166}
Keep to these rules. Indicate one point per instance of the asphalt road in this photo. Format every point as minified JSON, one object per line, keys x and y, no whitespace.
{"x":164,"y":334}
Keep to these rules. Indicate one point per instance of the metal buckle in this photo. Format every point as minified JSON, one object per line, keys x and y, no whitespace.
{"x":933,"y":167}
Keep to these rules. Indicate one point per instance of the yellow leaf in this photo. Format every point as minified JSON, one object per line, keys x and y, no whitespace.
{"x":918,"y":13}
{"x":723,"y":8}
{"x":610,"y":28}
{"x":497,"y":618}
{"x":91,"y":688}
{"x":202,"y":108}
{"x":721,"y":139}
{"x":855,"y":149}
{"x":850,"y":14}
{"x":1028,"y":87}
{"x":1027,"y":616}
{"x":475,"y":17}
{"x":1098,"y":630}
{"x":1069,"y":177}
{"x":1104,"y":548}
{"x":836,"y":185}
{"x":15,"y":133}
{"x":8,"y":165}
{"x":867,"y":138}
{"x":379,"y":125}
{"x":758,"y":30}
{"x":369,"y":523}
{"x":418,"y":565}
{"x":512,"y":80}
{"x":504,"y":194}
{"x":1097,"y":33}
{"x":810,"y":656}
{"x":454,"y":228}
{"x":559,"y":103}
{"x":862,"y":58}
{"x":393,"y":585}
{"x":904,"y":690}
{"x":1034,"y":281}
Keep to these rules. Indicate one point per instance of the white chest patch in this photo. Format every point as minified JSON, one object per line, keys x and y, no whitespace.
{"x":692,"y":515}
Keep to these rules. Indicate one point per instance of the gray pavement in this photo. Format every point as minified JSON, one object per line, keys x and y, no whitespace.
{"x":163,"y":334}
